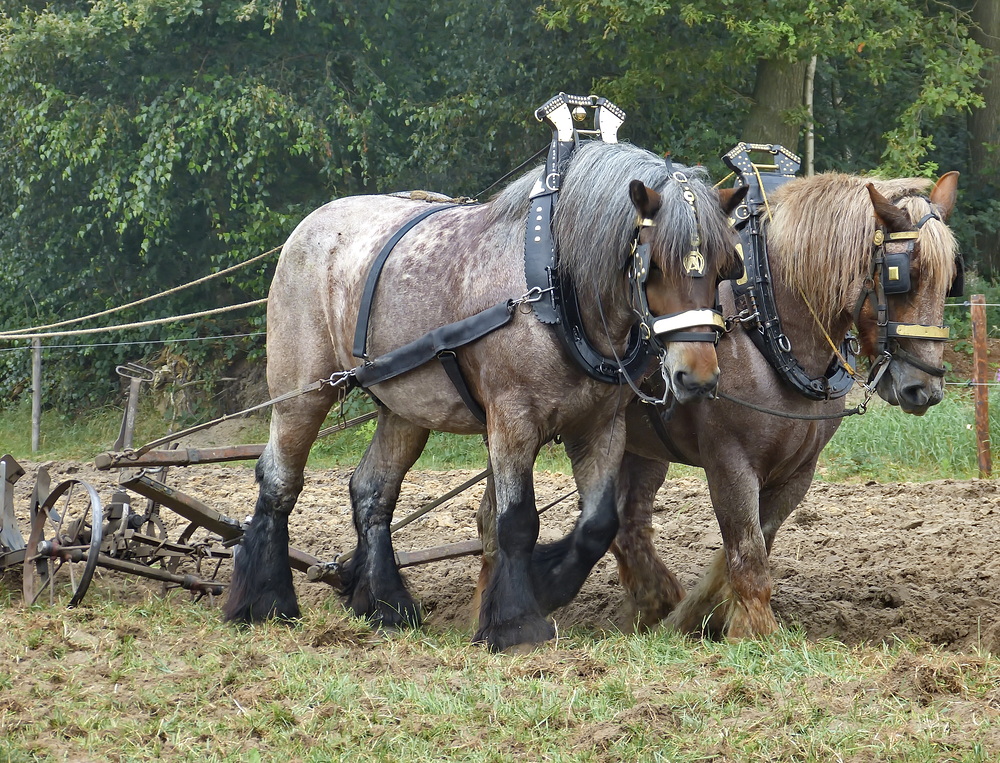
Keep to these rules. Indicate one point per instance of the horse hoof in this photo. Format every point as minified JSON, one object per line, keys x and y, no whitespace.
{"x":387,"y":618}
{"x":516,"y":637}
{"x":265,"y":606}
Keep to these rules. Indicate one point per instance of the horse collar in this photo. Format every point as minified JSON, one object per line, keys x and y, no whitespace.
{"x":558,"y":304}
{"x":754,"y":292}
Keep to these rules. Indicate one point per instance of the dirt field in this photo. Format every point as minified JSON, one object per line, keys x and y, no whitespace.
{"x":855,"y":562}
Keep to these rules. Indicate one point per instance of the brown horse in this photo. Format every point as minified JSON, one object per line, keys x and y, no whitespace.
{"x":759,"y":465}
{"x":461,"y":262}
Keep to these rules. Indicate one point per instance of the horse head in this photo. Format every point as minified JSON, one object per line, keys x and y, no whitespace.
{"x":901,"y":308}
{"x":675,"y":274}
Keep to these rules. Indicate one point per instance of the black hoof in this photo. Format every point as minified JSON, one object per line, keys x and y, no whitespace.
{"x":261,"y":587}
{"x":265,"y":605}
{"x":505,"y":637}
{"x":386,"y":616}
{"x":381,"y":600}
{"x":554,"y":576}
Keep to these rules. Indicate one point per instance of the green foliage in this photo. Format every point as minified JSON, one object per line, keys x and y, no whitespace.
{"x":157,"y":141}
{"x":151,"y":142}
{"x":893,"y":69}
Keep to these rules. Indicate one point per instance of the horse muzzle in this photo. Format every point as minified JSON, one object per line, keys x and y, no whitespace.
{"x":688,"y":361}
{"x":690,"y":371}
{"x":914,"y":391}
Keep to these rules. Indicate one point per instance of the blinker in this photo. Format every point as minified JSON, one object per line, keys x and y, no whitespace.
{"x":896,"y":273}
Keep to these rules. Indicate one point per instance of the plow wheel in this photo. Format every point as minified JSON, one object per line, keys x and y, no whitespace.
{"x":64,"y":544}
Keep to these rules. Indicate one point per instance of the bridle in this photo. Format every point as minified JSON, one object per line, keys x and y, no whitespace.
{"x":675,"y":327}
{"x":890,"y":274}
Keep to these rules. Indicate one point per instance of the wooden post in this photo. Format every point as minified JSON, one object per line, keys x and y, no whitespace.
{"x":981,"y":383}
{"x":36,"y":394}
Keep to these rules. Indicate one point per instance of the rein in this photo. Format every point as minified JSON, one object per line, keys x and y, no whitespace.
{"x":859,"y":409}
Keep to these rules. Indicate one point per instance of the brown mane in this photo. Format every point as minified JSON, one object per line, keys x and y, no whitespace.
{"x":831,"y":217}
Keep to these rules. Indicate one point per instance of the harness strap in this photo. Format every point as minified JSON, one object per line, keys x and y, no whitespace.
{"x":432,"y":344}
{"x":365,"y":308}
{"x":754,"y":293}
{"x":449,"y":361}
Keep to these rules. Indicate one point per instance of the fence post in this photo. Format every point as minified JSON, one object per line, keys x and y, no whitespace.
{"x":981,"y":385}
{"x":36,"y":394}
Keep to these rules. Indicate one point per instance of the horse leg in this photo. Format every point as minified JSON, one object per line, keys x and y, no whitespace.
{"x":559,"y":569}
{"x":653,"y":591}
{"x":748,"y":566}
{"x":509,"y":614}
{"x":261,"y":585}
{"x":486,"y":518}
{"x":734,"y":594}
{"x":372,"y":585}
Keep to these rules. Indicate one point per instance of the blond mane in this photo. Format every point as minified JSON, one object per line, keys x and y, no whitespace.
{"x":820,"y":236}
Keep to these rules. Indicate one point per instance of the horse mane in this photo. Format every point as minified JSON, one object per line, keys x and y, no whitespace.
{"x":821,"y":230}
{"x":594,"y":221}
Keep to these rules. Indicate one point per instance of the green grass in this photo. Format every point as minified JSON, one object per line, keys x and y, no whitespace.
{"x":884,"y":444}
{"x":163,"y":678}
{"x":888,"y":445}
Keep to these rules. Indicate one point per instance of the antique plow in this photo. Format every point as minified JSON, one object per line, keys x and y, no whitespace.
{"x":72,"y":533}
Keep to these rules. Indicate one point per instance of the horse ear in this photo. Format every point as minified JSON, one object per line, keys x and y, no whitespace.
{"x":646,"y":200}
{"x":730,"y":198}
{"x":888,"y":214}
{"x":945,"y":192}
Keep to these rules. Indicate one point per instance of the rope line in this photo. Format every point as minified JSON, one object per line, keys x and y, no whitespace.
{"x":48,"y":347}
{"x":144,"y":300}
{"x":155,"y":322}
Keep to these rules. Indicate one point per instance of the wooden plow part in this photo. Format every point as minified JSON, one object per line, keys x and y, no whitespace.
{"x":73,"y":534}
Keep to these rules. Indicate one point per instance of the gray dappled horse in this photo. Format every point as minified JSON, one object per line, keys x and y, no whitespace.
{"x":454,"y":264}
{"x":758,"y":465}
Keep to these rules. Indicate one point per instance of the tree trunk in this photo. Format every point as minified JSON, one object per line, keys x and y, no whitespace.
{"x":778,"y":100}
{"x":984,"y":130}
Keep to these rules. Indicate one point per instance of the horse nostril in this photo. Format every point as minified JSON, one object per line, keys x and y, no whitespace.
{"x":693,"y":385}
{"x":917,"y":396}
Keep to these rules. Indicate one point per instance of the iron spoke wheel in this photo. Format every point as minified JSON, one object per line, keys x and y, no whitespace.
{"x":64,"y":545}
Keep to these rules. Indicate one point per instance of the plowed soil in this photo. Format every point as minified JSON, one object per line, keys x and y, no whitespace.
{"x":855,"y":562}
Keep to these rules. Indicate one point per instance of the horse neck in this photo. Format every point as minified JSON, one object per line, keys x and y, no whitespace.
{"x":811,"y":342}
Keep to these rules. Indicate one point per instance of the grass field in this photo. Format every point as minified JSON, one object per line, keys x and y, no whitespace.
{"x":156,"y":678}
{"x":134,"y":676}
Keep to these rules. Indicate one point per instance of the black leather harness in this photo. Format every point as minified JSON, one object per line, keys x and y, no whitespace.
{"x":558,"y":303}
{"x":439,"y":343}
{"x":754,"y":293}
